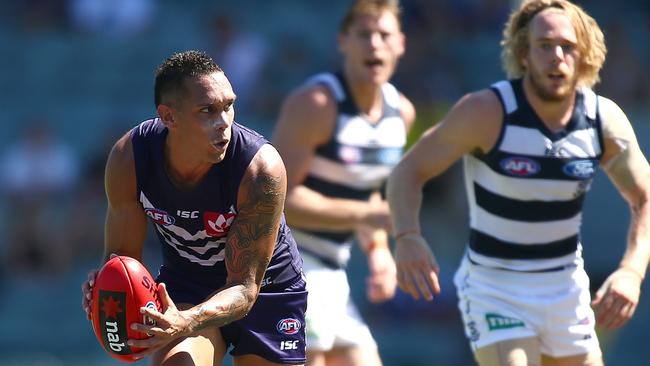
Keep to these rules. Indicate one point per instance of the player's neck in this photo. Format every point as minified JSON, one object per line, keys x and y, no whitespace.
{"x":555,"y":114}
{"x":183,"y":169}
{"x":367,"y":97}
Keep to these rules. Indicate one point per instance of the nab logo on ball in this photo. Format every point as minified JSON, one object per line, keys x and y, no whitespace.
{"x":288,"y":326}
{"x":112,"y":316}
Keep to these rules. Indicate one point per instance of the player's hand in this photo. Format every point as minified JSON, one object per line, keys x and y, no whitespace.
{"x":417,"y":269}
{"x":169,"y":325}
{"x":382,"y":281}
{"x":616,"y":300}
{"x":87,"y":292}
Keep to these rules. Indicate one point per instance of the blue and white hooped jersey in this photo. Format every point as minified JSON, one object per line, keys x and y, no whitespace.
{"x":525,"y":195}
{"x":355,"y":161}
{"x":192,"y":224}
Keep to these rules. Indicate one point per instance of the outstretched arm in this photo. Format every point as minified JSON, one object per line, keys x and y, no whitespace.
{"x":624,"y":163}
{"x":472,"y":124}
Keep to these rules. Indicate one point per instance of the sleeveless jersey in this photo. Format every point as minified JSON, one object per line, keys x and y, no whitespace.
{"x":525,"y":195}
{"x":355,"y":161}
{"x":192,"y":224}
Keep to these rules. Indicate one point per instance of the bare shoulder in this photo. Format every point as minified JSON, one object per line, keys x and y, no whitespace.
{"x":407,"y":110}
{"x":618,"y":136}
{"x":266,"y":161}
{"x":614,"y":121}
{"x":308,"y":113}
{"x":475,"y":120}
{"x":120,"y":179}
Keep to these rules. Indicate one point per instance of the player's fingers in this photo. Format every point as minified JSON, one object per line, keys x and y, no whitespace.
{"x":150,"y":345}
{"x":432,"y":280}
{"x":406,"y":284}
{"x":602,"y":305}
{"x":619,"y":317}
{"x":155,"y":315}
{"x":166,"y":300}
{"x":607,"y":312}
{"x":422,"y":284}
{"x":598,"y":297}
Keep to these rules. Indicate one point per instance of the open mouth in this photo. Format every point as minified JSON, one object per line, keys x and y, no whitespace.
{"x":556,"y":76}
{"x":374,"y":63}
{"x":220,"y":144}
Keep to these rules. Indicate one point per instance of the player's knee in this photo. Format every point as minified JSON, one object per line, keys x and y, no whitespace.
{"x":593,"y":358}
{"x":517,"y":352}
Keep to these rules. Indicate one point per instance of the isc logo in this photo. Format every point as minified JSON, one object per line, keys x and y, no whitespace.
{"x":187,"y":214}
{"x":288,"y":345}
{"x":288,"y":326}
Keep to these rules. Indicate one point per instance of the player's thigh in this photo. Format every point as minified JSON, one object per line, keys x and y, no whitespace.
{"x":512,"y":352}
{"x":254,"y":360}
{"x":589,"y":359}
{"x":353,"y":356}
{"x":316,"y":358}
{"x":204,"y":348}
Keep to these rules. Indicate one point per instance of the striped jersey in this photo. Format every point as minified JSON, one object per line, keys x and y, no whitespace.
{"x":525,"y":195}
{"x":192,"y":224}
{"x":353,"y":163}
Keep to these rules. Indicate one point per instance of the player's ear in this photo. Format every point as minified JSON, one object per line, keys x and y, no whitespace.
{"x":401,"y":44}
{"x":166,"y":114}
{"x":340,"y":39}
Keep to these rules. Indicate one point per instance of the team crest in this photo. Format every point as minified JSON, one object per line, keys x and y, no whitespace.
{"x":217,"y":224}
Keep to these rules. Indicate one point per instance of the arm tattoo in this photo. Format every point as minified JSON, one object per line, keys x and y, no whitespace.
{"x":256,"y":224}
{"x":254,"y":232}
{"x":250,"y":244}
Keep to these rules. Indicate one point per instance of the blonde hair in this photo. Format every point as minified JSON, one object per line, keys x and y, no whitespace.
{"x":369,"y":7}
{"x":591,"y":42}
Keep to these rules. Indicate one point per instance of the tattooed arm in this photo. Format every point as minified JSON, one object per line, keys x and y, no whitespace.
{"x":250,"y":241}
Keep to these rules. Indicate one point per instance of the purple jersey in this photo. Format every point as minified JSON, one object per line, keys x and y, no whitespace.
{"x":192,"y":224}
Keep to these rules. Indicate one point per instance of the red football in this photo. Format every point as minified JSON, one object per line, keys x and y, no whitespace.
{"x":121,"y":288}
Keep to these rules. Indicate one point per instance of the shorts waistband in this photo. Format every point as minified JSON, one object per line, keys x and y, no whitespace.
{"x":544,"y":270}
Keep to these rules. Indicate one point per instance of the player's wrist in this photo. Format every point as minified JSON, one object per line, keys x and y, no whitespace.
{"x":407,"y":233}
{"x":633,"y":271}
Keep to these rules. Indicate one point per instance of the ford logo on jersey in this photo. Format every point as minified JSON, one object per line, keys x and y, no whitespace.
{"x":520,"y":166}
{"x":159,"y":216}
{"x":288,"y":326}
{"x":580,"y":169}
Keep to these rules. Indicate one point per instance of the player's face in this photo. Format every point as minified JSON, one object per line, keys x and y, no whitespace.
{"x":552,"y":58}
{"x":205,"y":116}
{"x":372,"y":46}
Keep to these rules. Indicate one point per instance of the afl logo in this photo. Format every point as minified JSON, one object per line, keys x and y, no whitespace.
{"x":288,"y":326}
{"x":522,"y":167}
{"x":579,"y":169}
{"x":159,"y":216}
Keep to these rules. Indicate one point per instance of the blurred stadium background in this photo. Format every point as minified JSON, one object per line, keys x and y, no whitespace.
{"x":75,"y":74}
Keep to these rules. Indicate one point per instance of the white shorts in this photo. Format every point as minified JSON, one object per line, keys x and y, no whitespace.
{"x":332,"y":320}
{"x":498,"y":305}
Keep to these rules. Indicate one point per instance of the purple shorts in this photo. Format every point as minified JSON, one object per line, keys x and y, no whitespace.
{"x":274,"y":329}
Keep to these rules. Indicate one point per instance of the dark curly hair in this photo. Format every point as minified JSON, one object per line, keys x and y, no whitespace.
{"x":171,"y":74}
